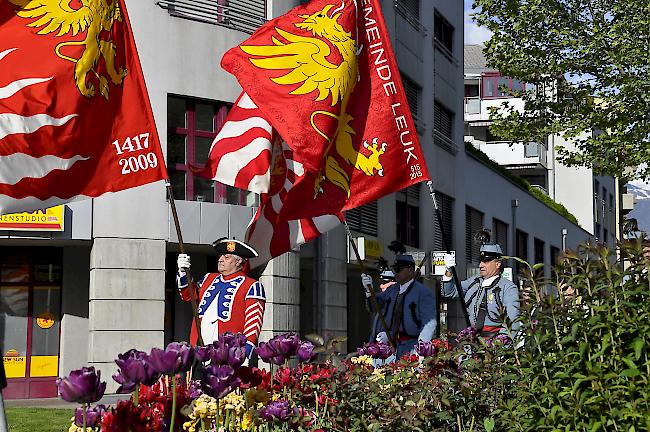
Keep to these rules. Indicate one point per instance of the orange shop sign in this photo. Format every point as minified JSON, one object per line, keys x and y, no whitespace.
{"x":50,"y":219}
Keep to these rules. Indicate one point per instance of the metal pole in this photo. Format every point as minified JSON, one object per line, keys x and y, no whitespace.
{"x":190,"y":282}
{"x":459,"y":289}
{"x":373,"y":295}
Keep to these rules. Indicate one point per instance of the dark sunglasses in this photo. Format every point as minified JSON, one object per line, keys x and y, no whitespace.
{"x":487,"y":259}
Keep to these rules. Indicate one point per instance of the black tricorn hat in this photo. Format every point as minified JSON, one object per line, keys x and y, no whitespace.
{"x":235,"y":247}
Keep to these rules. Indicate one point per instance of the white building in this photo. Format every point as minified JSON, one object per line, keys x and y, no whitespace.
{"x":107,"y":279}
{"x":591,"y":199}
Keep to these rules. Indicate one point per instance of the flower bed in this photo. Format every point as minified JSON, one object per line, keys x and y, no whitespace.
{"x":436,"y":388}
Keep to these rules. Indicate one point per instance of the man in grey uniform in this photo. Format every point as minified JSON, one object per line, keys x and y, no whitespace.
{"x":488,"y":297}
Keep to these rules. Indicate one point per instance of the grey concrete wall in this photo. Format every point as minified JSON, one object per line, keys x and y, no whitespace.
{"x":282,"y":286}
{"x":126,"y":299}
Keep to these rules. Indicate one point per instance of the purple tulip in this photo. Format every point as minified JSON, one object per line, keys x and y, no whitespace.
{"x":376,"y":350}
{"x":306,"y":351}
{"x":134,"y":370}
{"x":467,"y":333}
{"x":286,"y":344}
{"x":82,"y":386}
{"x":218,"y":381}
{"x":195,"y":389}
{"x":93,"y":416}
{"x":426,"y":349}
{"x":279,"y":348}
{"x":222,"y":354}
{"x":176,"y":358}
{"x":233,"y":340}
{"x":268,"y":353}
{"x":276,"y":410}
{"x":203,"y":353}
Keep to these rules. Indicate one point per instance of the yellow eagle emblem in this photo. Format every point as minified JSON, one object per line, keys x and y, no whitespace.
{"x":307,"y":59}
{"x":93,"y":17}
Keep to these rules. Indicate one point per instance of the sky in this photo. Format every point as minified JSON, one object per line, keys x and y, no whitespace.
{"x":473,"y":33}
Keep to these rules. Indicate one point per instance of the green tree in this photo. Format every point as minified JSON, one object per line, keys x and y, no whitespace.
{"x":590,"y":61}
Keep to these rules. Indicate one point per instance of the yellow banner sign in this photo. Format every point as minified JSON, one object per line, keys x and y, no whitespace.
{"x":373,"y":246}
{"x":50,"y":219}
{"x":15,"y":367}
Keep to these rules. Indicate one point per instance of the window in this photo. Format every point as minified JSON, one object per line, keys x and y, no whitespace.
{"x":473,"y":224}
{"x":443,"y":34}
{"x":446,"y":207}
{"x":555,"y":259}
{"x":407,"y":215}
{"x":410,"y":9}
{"x":443,"y":127}
{"x":500,"y":234}
{"x":413,"y":95}
{"x":363,"y":219}
{"x":539,"y":251}
{"x":242,"y":15}
{"x":521,"y":249}
{"x":497,"y":86}
{"x":191,"y":128}
{"x":471,"y":90}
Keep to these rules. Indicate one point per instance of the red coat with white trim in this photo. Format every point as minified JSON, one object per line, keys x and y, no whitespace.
{"x":233,"y":303}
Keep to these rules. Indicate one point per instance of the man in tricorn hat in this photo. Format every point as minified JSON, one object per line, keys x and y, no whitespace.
{"x":229,"y":301}
{"x":408,"y":307}
{"x":488,"y":296}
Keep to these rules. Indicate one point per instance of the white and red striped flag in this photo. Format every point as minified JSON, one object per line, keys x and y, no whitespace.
{"x":247,"y":153}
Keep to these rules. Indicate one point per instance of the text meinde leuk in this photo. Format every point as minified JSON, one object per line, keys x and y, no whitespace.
{"x":382,"y":68}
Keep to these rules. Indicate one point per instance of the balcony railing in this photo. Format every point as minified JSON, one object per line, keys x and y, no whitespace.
{"x":242,"y":15}
{"x":472,"y":105}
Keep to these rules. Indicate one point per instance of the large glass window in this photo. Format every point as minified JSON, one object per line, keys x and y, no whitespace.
{"x":192,"y":125}
{"x":497,"y":86}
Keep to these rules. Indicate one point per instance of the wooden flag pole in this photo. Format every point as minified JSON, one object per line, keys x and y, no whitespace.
{"x":459,"y":289}
{"x":373,"y":295}
{"x":190,"y":282}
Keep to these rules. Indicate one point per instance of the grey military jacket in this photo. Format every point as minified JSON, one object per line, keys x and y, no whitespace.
{"x":501,"y":294}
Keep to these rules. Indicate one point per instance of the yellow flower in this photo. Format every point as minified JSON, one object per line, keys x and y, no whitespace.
{"x":247,"y":422}
{"x":254,"y":396}
{"x":233,"y":401}
{"x":362,"y":360}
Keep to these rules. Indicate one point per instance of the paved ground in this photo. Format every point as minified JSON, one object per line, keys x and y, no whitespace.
{"x":57,"y":402}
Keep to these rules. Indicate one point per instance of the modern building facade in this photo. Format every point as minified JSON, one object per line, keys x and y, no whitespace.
{"x":592,"y":199}
{"x":105,"y":283}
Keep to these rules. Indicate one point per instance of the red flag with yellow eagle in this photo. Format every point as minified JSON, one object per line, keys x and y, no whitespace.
{"x":75,"y":118}
{"x":325,"y":77}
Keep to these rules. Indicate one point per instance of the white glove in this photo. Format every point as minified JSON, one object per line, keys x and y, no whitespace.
{"x":382,"y":337}
{"x":366,"y":281}
{"x":183,"y":263}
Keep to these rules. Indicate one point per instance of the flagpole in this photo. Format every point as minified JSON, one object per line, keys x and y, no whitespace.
{"x":190,"y":282}
{"x":373,"y":295}
{"x":445,"y":242}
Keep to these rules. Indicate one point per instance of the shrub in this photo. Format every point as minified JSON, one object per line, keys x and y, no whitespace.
{"x":587,"y":366}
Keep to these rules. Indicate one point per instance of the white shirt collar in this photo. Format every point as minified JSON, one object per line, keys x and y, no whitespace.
{"x":488,"y":281}
{"x":404,"y":286}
